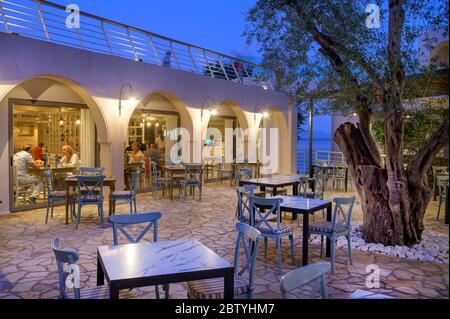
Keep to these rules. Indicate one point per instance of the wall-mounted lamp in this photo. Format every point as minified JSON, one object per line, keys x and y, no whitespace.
{"x":259,"y":109}
{"x":210,"y":105}
{"x":131,"y":98}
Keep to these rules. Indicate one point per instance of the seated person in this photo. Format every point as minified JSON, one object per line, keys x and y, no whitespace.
{"x":136,"y":156}
{"x":70,"y":159}
{"x":22,"y":161}
{"x":38,"y":152}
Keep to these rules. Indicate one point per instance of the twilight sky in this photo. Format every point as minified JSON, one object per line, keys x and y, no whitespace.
{"x":214,"y":24}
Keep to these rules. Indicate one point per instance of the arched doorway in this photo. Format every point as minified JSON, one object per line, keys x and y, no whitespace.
{"x":154,"y":128}
{"x":54,"y":112}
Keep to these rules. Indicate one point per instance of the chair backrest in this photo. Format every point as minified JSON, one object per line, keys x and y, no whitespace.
{"x":48,"y":178}
{"x":134,"y":180}
{"x":243,"y":203}
{"x":91,"y":171}
{"x":303,"y":185}
{"x":342,"y":214}
{"x":319,"y":185}
{"x":442,"y":182}
{"x":339,"y":170}
{"x":244,"y":174}
{"x":120,"y":221}
{"x":65,"y":258}
{"x":193,"y":171}
{"x":265,"y":172}
{"x":438,"y":169}
{"x":248,"y":237}
{"x":314,"y":273}
{"x":90,"y":188}
{"x":262,"y":209}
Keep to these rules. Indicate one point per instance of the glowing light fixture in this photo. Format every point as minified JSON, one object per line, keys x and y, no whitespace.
{"x":209,"y":104}
{"x":78,"y":122}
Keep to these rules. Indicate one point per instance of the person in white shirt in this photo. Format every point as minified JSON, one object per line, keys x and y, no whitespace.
{"x":136,"y":156}
{"x":70,"y":159}
{"x":22,"y":161}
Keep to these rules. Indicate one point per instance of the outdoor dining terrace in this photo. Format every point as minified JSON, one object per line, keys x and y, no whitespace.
{"x":197,"y":238}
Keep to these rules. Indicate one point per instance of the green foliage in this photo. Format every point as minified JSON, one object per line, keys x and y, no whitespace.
{"x":289,"y":48}
{"x":420,"y":124}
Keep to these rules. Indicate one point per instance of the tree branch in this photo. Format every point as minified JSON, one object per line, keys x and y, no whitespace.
{"x":422,"y":160}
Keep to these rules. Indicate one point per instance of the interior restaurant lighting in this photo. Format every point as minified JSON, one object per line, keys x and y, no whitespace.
{"x":210,"y":105}
{"x":78,"y":122}
{"x":131,"y":99}
{"x":259,"y":109}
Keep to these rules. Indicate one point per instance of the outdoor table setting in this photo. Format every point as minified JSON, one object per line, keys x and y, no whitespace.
{"x":329,"y":167}
{"x":72,"y":182}
{"x":172,"y":172}
{"x":274,"y":182}
{"x":159,"y":263}
{"x":306,"y":207}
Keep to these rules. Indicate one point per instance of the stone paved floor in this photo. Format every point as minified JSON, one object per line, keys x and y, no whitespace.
{"x":28,"y":269}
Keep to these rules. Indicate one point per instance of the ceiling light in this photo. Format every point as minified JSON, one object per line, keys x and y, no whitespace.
{"x":78,"y":122}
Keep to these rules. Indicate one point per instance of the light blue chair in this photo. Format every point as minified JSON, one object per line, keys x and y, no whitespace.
{"x":261,"y":211}
{"x":224,"y":171}
{"x":158,"y":181}
{"x":55,"y":196}
{"x":90,"y":192}
{"x":66,"y":257}
{"x":248,"y":237}
{"x":442,"y":185}
{"x":339,"y":171}
{"x":312,"y":274}
{"x":91,"y":171}
{"x":130,"y":195}
{"x":243,"y":207}
{"x":120,"y":222}
{"x":339,"y":226}
{"x":243,"y":174}
{"x":192,"y":179}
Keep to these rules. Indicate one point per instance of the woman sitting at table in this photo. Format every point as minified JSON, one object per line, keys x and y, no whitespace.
{"x":136,"y":156}
{"x":70,"y":159}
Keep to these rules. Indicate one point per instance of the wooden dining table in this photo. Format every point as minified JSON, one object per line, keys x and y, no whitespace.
{"x":72,"y":182}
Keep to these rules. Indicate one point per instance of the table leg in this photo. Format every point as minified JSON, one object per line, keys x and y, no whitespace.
{"x":112,"y":189}
{"x":100,"y":273}
{"x":328,"y":244}
{"x":67,"y":204}
{"x":305,"y":245}
{"x":229,"y":286}
{"x":171,"y":187}
{"x":295,"y":193}
{"x":274,"y":191}
{"x":113,"y":292}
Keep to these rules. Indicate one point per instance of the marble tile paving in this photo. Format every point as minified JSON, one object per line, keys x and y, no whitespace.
{"x":28,"y":269}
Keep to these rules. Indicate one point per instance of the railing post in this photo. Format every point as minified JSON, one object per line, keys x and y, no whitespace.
{"x":235,"y":71}
{"x":2,"y":13}
{"x":223,"y":69}
{"x":41,"y":17}
{"x":158,"y":60}
{"x":136,"y":56}
{"x":193,"y":60}
{"x":211,"y":73}
{"x":174,"y":55}
{"x":106,"y":37}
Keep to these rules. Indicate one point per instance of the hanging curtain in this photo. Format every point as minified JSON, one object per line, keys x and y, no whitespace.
{"x":171,"y":124}
{"x":87,"y":139}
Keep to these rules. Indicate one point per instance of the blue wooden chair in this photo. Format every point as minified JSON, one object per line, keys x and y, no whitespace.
{"x":314,"y":274}
{"x":248,"y":237}
{"x":224,"y":171}
{"x":66,"y":257}
{"x":261,"y":211}
{"x":243,"y":207}
{"x":91,"y":171}
{"x":339,"y":171}
{"x":192,"y":179}
{"x":90,"y":192}
{"x":119,"y":224}
{"x":243,"y":174}
{"x":55,"y":196}
{"x":130,"y":195}
{"x":158,"y":181}
{"x":339,"y":226}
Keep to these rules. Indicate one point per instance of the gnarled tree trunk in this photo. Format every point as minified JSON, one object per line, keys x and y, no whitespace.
{"x":390,"y":218}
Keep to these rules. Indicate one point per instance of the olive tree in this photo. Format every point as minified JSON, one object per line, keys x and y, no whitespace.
{"x":336,"y":46}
